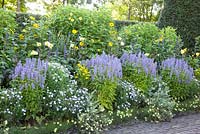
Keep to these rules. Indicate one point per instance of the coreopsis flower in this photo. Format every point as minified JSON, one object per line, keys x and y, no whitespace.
{"x":110,"y":44}
{"x":48,"y":44}
{"x":197,"y":54}
{"x":35,"y":25}
{"x":111,"y":24}
{"x":183,"y":51}
{"x":74,"y":31}
{"x":72,"y":20}
{"x":33,"y":52}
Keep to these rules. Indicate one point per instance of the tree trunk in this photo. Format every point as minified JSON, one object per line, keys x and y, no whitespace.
{"x":3,"y":2}
{"x":18,"y":5}
{"x":129,"y":12}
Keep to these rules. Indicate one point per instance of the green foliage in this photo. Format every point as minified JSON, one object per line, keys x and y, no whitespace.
{"x":140,"y":80}
{"x":187,"y":20}
{"x":127,"y":95}
{"x":105,"y":91}
{"x":180,"y":90}
{"x":81,"y":33}
{"x":197,"y":73}
{"x":7,"y":29}
{"x":120,"y":24}
{"x":94,"y":120}
{"x":62,"y":97}
{"x":160,"y":105}
{"x":146,"y":37}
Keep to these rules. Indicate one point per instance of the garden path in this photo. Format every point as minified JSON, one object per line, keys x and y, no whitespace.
{"x":188,"y":124}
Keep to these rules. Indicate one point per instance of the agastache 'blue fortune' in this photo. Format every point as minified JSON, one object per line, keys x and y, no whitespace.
{"x":179,"y":68}
{"x":104,"y":67}
{"x":140,"y":62}
{"x":34,"y":70}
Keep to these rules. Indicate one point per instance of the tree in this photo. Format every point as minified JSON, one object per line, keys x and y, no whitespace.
{"x":183,"y":15}
{"x":141,"y":10}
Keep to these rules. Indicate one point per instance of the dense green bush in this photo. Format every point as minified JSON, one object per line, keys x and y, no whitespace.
{"x":81,"y":33}
{"x":146,"y":37}
{"x":160,"y":105}
{"x":184,"y":16}
{"x":180,"y":78}
{"x":7,"y":31}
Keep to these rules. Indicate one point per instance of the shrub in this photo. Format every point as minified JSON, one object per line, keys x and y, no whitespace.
{"x":127,"y":95}
{"x":179,"y":76}
{"x":62,"y":96}
{"x":7,"y":30}
{"x":160,"y":105}
{"x":146,"y":37}
{"x":105,"y":71}
{"x":81,"y":33}
{"x":139,"y":70}
{"x":182,"y":15}
{"x":94,"y":120}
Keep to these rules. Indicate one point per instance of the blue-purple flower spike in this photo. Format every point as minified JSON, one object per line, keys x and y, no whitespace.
{"x":34,"y":71}
{"x":141,"y":62}
{"x":104,"y":67}
{"x":179,"y":68}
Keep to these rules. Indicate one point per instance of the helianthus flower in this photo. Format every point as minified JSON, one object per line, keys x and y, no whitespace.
{"x":33,"y":52}
{"x":75,"y":47}
{"x":110,"y":44}
{"x":81,"y":44}
{"x":111,"y":24}
{"x":35,"y":25}
{"x":21,"y":37}
{"x":74,"y":31}
{"x":32,"y":18}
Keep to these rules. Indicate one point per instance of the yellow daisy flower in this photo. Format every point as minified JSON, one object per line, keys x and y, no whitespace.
{"x":81,"y":44}
{"x":33,"y":52}
{"x":110,"y":44}
{"x":32,"y":18}
{"x":74,"y":31}
{"x":111,"y":24}
{"x":183,"y":51}
{"x":21,"y":37}
{"x":35,"y":25}
{"x":197,"y":54}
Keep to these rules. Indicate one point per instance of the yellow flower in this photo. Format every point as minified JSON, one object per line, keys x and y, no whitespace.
{"x":197,"y":54}
{"x":71,"y":14}
{"x":183,"y":51}
{"x":81,"y":44}
{"x":110,"y":44}
{"x":111,"y":24}
{"x":35,"y":25}
{"x":38,"y":44}
{"x":24,"y":31}
{"x":48,"y":44}
{"x":80,"y":18}
{"x":74,"y":31}
{"x":33,"y":52}
{"x":21,"y":37}
{"x":75,"y":47}
{"x":32,"y":18}
{"x":79,"y":65}
{"x":72,"y":20}
{"x":35,"y":35}
{"x":99,"y":50}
